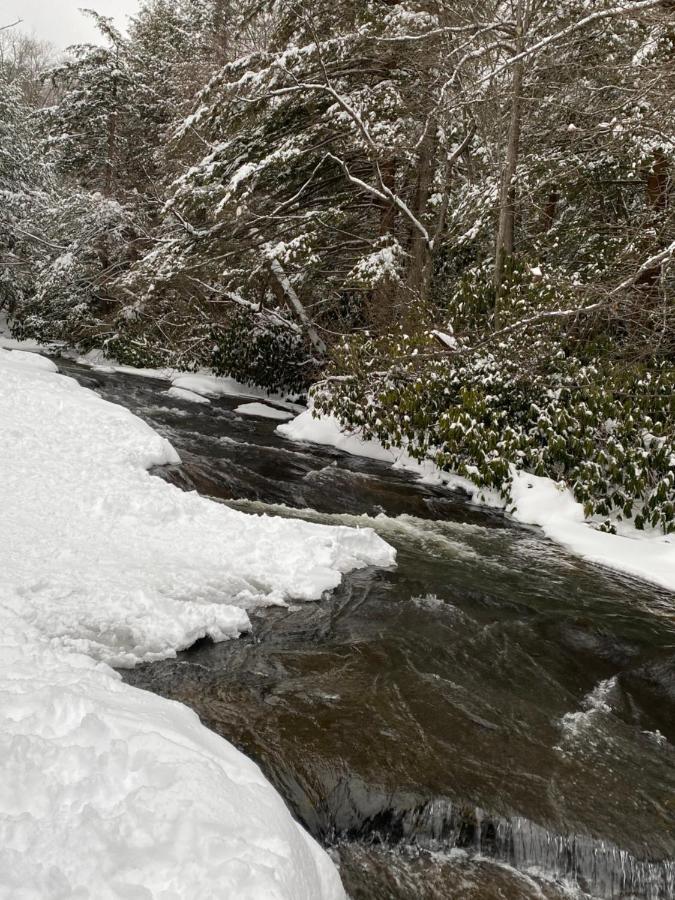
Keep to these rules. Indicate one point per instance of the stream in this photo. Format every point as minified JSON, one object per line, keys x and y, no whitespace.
{"x":494,"y":718}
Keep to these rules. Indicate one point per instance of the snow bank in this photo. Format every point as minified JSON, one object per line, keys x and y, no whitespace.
{"x":110,"y":792}
{"x":537,"y":501}
{"x":646,"y":555}
{"x":107,"y":560}
{"x":207,"y":385}
{"x":33,"y":361}
{"x":97,"y":359}
{"x":197,"y":387}
{"x":213,"y":386}
{"x":328,"y":430}
{"x":107,"y":791}
{"x":263,"y":411}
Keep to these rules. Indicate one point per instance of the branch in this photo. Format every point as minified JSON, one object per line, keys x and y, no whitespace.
{"x":384,"y":195}
{"x":629,"y":10}
{"x":12,"y":25}
{"x":475,"y":30}
{"x":593,"y":307}
{"x":314,"y":86}
{"x":645,"y":267}
{"x":546,"y":317}
{"x":35,"y":237}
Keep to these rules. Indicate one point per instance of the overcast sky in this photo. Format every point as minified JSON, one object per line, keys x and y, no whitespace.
{"x":60,"y":21}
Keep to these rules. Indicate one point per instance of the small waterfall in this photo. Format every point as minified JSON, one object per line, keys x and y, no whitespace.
{"x":598,"y":867}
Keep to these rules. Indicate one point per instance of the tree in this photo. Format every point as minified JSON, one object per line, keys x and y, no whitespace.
{"x":50,"y":235}
{"x":86,"y":125}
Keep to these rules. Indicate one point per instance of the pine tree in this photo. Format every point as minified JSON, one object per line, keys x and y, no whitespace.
{"x":86,"y":127}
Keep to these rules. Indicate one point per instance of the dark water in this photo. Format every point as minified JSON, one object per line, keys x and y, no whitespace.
{"x":492,"y":719}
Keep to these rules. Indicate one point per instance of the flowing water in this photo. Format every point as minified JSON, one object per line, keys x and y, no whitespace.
{"x":492,"y":719}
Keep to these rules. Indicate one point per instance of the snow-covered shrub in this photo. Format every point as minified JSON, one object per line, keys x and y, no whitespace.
{"x":606,"y":430}
{"x":74,"y":241}
{"x":261,"y":352}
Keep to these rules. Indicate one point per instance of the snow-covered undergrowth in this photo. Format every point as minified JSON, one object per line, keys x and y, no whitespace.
{"x":649,"y":555}
{"x":108,"y":791}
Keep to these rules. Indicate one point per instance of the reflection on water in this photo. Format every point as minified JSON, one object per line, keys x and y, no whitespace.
{"x":491,"y":700}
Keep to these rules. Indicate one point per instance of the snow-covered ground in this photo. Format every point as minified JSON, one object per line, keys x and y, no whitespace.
{"x":538,"y":501}
{"x":108,"y":791}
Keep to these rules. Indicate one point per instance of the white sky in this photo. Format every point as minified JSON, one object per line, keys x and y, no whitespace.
{"x":59,"y":21}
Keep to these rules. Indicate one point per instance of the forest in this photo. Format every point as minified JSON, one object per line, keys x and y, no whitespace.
{"x":448,"y":223}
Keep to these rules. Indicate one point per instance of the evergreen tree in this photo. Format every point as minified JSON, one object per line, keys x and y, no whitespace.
{"x":86,"y":128}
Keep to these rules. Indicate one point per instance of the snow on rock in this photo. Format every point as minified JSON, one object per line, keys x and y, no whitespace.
{"x":536,"y":501}
{"x":216,"y":386}
{"x":263,"y":411}
{"x":190,"y":396}
{"x":328,"y":430}
{"x":110,"y":792}
{"x":103,"y":558}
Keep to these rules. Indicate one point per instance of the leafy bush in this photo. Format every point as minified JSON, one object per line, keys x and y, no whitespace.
{"x":606,"y":430}
{"x":262,"y":353}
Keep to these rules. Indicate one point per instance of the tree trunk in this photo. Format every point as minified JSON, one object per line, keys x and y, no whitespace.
{"x":388,"y":209}
{"x":657,"y":182}
{"x":419,"y":249}
{"x":550,"y":210}
{"x":507,"y":199}
{"x":293,"y":301}
{"x":109,"y":175}
{"x":381,"y":302}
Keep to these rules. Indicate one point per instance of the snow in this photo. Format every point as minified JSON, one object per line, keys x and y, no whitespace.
{"x":190,"y":396}
{"x":33,"y":361}
{"x":448,"y":340}
{"x":383,"y":264}
{"x":109,"y":792}
{"x":263,"y":411}
{"x":207,"y":385}
{"x":328,"y":430}
{"x":540,"y":501}
{"x":536,"y":501}
{"x":187,"y":385}
{"x":98,"y":360}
